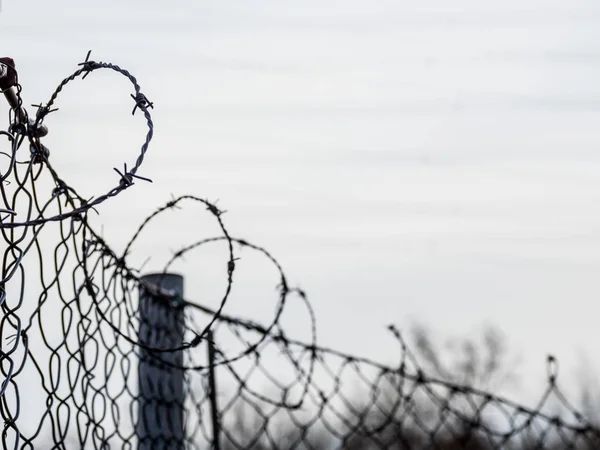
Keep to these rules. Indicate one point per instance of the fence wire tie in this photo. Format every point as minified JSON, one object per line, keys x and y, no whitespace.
{"x":39,"y":153}
{"x":8,"y":211}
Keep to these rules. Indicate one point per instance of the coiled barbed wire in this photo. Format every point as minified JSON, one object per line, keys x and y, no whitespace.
{"x":70,"y":344}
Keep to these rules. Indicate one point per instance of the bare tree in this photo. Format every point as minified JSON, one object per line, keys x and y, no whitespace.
{"x":483,"y":361}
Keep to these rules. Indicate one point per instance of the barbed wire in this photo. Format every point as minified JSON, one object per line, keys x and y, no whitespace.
{"x":93,"y":355}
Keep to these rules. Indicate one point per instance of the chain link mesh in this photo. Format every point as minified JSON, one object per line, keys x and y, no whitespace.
{"x":86,"y":364}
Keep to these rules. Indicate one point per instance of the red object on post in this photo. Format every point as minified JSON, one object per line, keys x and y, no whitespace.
{"x":10,"y":78}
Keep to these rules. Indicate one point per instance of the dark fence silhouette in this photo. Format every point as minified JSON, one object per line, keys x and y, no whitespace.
{"x":86,"y":364}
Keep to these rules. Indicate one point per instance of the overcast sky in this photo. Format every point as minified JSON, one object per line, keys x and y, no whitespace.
{"x":405,"y":160}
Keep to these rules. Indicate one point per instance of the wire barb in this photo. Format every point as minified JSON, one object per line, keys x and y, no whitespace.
{"x":141,"y":102}
{"x":128,"y":177}
{"x":88,"y":66}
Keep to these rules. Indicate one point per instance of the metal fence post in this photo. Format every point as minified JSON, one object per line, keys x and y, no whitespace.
{"x":214,"y":408}
{"x":161,"y":394}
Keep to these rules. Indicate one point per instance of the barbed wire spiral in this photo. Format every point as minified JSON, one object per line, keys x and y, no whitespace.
{"x":76,"y":341}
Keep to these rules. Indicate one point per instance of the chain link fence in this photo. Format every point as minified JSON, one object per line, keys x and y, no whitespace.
{"x":96,"y":356}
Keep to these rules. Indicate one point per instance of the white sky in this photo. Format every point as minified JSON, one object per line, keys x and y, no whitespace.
{"x":404,"y":160}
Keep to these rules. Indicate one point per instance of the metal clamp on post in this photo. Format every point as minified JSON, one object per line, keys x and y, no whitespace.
{"x":8,"y":86}
{"x":8,"y":83}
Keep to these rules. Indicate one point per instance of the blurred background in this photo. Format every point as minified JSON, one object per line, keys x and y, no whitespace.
{"x":407,"y":162}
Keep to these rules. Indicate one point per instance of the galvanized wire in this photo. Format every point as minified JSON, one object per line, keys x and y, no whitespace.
{"x":72,"y":321}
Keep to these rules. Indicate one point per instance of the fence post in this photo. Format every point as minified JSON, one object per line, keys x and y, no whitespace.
{"x":214,"y":408}
{"x":161,"y":394}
